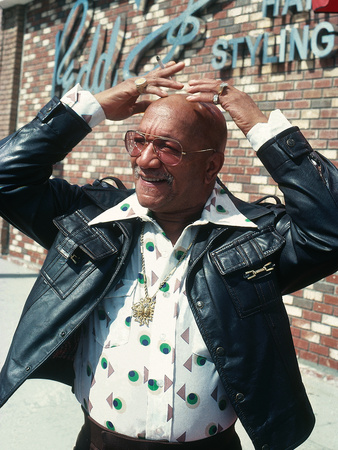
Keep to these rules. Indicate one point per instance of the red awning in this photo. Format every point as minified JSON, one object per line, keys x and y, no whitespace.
{"x":325,"y":6}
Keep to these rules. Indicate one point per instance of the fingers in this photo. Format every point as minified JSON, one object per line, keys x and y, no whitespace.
{"x":243,"y":110}
{"x":204,"y":85}
{"x":160,"y":78}
{"x":206,"y":90}
{"x":155,"y":86}
{"x":170,"y":69}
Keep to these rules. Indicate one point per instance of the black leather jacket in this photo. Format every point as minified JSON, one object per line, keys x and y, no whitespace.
{"x":235,"y":278}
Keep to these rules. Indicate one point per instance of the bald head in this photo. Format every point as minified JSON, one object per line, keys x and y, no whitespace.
{"x":202,"y":122}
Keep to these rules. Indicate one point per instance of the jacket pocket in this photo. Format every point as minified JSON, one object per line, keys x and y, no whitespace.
{"x":248,"y":269}
{"x":77,"y":256}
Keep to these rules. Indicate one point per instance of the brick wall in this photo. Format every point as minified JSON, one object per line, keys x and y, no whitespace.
{"x":10,"y":59}
{"x":11,"y":35}
{"x":306,"y":90}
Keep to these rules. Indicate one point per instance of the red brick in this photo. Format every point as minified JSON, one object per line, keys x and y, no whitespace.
{"x":320,"y":349}
{"x":322,"y":83}
{"x":329,"y":341}
{"x":322,"y":308}
{"x":268,"y":87}
{"x":320,"y":123}
{"x":301,"y":85}
{"x":331,"y":299}
{"x":314,"y":93}
{"x":245,"y":161}
{"x":328,"y":134}
{"x":302,"y":104}
{"x":332,"y":279}
{"x":283,"y":105}
{"x":328,"y":113}
{"x":300,"y":323}
{"x":312,"y":316}
{"x":301,"y":343}
{"x":293,"y":95}
{"x":295,"y":331}
{"x":308,"y":356}
{"x":333,"y":145}
{"x":298,"y":293}
{"x":308,"y":335}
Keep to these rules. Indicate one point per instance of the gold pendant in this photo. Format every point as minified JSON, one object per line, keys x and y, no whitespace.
{"x":143,"y":311}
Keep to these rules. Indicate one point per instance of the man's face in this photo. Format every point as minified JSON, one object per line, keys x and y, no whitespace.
{"x":171,"y":189}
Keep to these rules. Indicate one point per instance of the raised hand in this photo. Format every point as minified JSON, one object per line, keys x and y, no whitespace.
{"x":243,"y":110}
{"x":121,"y":101}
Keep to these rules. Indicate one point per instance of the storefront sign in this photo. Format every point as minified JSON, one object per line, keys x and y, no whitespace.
{"x":294,"y":41}
{"x":93,"y":76}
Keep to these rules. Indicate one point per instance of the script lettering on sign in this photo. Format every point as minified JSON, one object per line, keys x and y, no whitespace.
{"x":180,"y":31}
{"x":96,"y":74}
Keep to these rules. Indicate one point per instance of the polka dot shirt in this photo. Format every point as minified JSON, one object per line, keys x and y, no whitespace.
{"x":158,"y":381}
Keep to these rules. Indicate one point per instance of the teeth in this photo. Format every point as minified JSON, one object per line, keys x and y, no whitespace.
{"x":152,"y":179}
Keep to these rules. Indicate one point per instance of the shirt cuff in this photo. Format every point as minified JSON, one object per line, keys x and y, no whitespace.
{"x":85,"y":105}
{"x":262,"y":132}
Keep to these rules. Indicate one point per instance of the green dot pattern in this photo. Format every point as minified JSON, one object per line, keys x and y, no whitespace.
{"x":145,"y":340}
{"x":110,"y":426}
{"x":152,"y":385}
{"x":212,"y":430}
{"x":150,"y":246}
{"x":156,"y":364}
{"x":104,"y":363}
{"x":165,"y":348}
{"x":117,"y":403}
{"x":133,"y":376}
{"x":192,"y":399}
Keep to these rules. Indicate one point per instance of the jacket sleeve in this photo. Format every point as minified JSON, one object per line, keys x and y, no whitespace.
{"x":29,"y":198}
{"x":309,"y":183}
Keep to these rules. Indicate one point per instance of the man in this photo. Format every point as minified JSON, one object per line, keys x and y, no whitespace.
{"x":162,"y":308}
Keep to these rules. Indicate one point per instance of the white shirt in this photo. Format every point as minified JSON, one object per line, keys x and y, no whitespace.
{"x":156,"y":382}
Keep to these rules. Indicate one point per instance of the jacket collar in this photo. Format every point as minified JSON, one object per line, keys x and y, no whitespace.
{"x":219,"y":210}
{"x":106,"y":197}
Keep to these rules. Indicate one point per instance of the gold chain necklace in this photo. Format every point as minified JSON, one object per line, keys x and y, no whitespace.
{"x":143,"y":311}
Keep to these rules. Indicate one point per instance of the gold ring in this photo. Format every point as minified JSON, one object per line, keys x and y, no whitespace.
{"x":221,"y":88}
{"x":141,"y":85}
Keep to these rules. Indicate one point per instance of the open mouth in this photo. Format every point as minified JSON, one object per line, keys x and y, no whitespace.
{"x":154,"y":180}
{"x":154,"y":177}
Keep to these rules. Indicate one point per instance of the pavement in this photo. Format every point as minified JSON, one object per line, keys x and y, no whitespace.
{"x":44,"y":415}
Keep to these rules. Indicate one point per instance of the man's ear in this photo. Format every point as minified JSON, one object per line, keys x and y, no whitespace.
{"x":214,"y":165}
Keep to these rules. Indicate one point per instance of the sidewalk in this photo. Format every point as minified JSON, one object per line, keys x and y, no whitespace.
{"x":44,"y":415}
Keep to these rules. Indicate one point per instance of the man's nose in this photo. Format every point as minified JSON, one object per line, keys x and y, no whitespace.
{"x":148,"y":157}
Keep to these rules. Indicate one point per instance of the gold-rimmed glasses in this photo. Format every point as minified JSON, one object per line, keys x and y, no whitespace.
{"x":168,"y":150}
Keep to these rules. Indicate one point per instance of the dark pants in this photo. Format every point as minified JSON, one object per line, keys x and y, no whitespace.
{"x":95,"y":437}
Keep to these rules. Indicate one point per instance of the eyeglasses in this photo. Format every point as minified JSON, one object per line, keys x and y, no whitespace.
{"x":168,"y":150}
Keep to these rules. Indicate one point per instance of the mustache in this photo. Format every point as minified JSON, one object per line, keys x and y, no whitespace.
{"x":153,"y":174}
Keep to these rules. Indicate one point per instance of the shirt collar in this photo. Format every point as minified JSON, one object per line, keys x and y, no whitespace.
{"x":219,"y":209}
